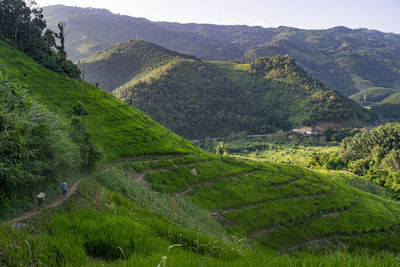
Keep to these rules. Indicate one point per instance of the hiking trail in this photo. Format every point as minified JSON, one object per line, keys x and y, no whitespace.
{"x":56,"y":203}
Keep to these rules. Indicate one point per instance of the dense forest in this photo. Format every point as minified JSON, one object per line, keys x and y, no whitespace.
{"x":347,"y":60}
{"x":196,"y":98}
{"x":374,"y":154}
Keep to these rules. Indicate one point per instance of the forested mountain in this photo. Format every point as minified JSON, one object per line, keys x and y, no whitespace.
{"x":92,"y":30}
{"x":197,"y":98}
{"x":127,"y":60}
{"x":347,"y":60}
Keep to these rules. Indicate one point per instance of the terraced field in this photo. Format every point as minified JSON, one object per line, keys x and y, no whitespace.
{"x":281,"y":207}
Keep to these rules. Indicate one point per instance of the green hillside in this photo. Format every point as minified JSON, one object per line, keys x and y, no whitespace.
{"x":373,"y":95}
{"x":214,"y":211}
{"x":197,"y":98}
{"x":348,"y":60}
{"x":389,"y":108}
{"x":118,"y":129}
{"x":129,"y":60}
{"x":161,"y":201}
{"x":281,"y":207}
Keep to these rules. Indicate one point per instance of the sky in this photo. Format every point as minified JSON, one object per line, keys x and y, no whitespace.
{"x":382,"y":15}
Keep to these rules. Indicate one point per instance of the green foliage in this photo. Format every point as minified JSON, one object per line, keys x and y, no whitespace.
{"x":283,"y":207}
{"x":179,"y":177}
{"x":37,"y":148}
{"x":361,"y":146}
{"x":278,"y":208}
{"x":110,"y":228}
{"x":35,"y":144}
{"x":197,"y":99}
{"x":186,"y":214}
{"x":370,"y":153}
{"x":337,"y":135}
{"x":117,"y":129}
{"x":373,"y":95}
{"x":389,"y":108}
{"x":23,"y":23}
{"x":280,"y":147}
{"x":89,"y":152}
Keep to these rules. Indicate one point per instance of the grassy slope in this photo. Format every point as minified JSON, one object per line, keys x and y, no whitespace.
{"x":117,"y":128}
{"x":195,"y":98}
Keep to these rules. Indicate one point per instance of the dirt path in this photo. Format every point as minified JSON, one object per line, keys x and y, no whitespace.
{"x":186,"y":190}
{"x":147,"y":157}
{"x":332,"y":239}
{"x":213,"y":181}
{"x":266,"y":201}
{"x":59,"y":201}
{"x":142,"y":181}
{"x":262,"y":232}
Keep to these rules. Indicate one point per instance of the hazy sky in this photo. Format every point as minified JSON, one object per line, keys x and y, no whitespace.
{"x":383,"y":15}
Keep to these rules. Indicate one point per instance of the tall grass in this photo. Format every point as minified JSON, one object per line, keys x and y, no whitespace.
{"x":186,"y":214}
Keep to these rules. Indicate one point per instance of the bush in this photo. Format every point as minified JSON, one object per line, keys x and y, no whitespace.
{"x":34,"y":143}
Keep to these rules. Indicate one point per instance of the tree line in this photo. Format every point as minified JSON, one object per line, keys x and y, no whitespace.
{"x":22,"y":24}
{"x":374,"y":154}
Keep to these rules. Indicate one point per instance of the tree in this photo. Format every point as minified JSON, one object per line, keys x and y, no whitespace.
{"x":61,"y":36}
{"x":23,"y":23}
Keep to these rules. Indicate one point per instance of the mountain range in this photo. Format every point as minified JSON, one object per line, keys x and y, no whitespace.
{"x":349,"y":60}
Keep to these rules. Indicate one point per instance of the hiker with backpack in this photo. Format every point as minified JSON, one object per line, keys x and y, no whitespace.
{"x":64,"y":188}
{"x":41,"y":197}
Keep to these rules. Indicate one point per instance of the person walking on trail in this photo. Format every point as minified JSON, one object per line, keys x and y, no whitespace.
{"x":41,"y":197}
{"x":64,"y":188}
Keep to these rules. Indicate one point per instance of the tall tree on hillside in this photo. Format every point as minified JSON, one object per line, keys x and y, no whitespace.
{"x":22,"y":22}
{"x":61,"y":36}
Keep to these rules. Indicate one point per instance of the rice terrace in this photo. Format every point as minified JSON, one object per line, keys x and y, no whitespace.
{"x":199,"y":140}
